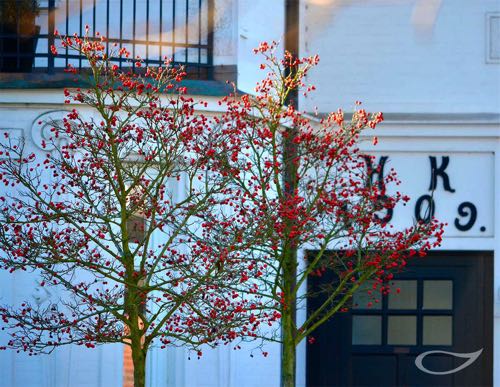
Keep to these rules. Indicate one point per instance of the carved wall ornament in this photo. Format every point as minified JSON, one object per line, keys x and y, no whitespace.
{"x":41,"y":128}
{"x":40,"y":294}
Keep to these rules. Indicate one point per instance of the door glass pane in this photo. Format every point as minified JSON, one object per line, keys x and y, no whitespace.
{"x":366,"y":330}
{"x":402,"y":330}
{"x":403,"y":295}
{"x":366,"y":297}
{"x":438,"y":294}
{"x":438,"y":330}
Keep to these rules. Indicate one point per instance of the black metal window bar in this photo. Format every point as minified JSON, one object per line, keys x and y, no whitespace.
{"x":152,"y":29}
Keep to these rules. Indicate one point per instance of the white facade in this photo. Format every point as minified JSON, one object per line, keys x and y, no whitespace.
{"x":433,"y":68}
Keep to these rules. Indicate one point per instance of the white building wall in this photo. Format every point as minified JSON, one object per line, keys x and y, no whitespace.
{"x":71,"y":365}
{"x":225,"y":32}
{"x":429,"y":63}
{"x":402,"y":55}
{"x":258,"y":21}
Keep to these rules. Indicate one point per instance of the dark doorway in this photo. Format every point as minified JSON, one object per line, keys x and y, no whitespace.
{"x":445,"y":303}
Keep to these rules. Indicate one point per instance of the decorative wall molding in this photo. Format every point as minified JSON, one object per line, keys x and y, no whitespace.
{"x":40,"y":294}
{"x":493,"y":37}
{"x":40,"y":129}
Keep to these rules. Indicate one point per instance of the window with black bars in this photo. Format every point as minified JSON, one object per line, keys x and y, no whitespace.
{"x":152,"y":29}
{"x":416,"y":312}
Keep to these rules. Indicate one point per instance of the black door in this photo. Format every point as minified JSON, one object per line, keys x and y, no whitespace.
{"x":444,"y":303}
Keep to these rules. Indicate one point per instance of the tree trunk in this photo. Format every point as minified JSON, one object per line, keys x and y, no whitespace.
{"x":290,"y":182}
{"x":288,"y":360}
{"x":288,"y":318}
{"x":139,"y":359}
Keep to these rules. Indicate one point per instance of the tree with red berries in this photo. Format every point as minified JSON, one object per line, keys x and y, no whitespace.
{"x":304,"y":185}
{"x":126,"y":216}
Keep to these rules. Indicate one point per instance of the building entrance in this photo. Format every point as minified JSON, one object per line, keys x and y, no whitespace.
{"x":444,"y":304}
